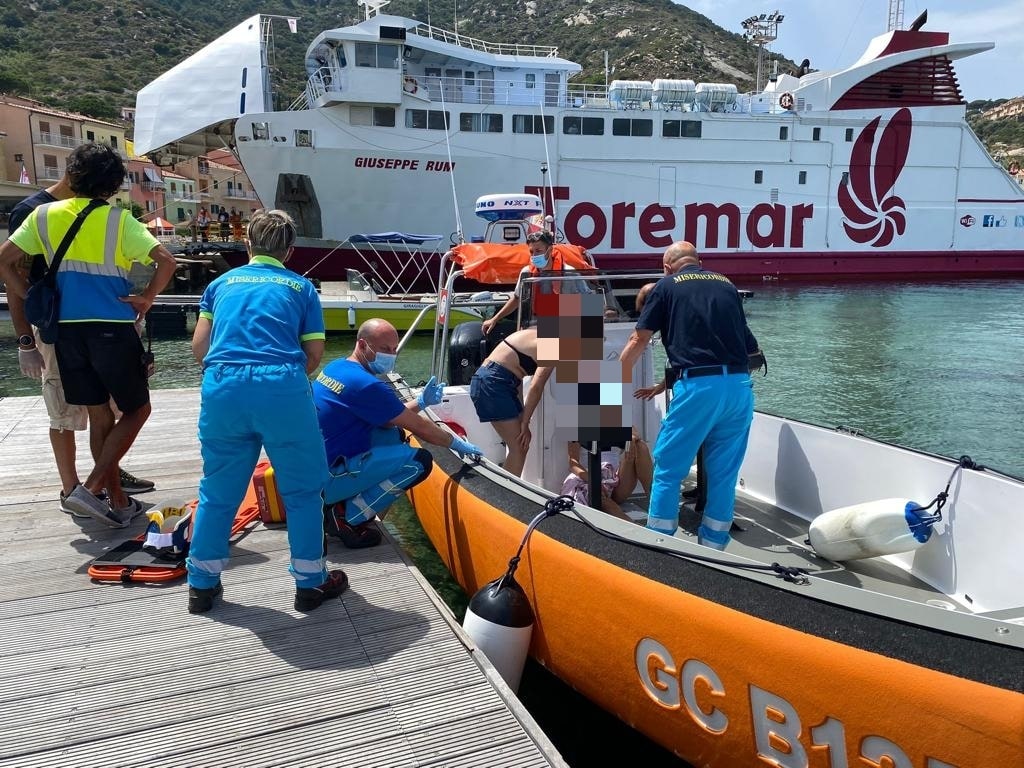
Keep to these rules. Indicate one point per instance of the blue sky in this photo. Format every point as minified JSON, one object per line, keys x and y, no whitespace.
{"x":834,"y":33}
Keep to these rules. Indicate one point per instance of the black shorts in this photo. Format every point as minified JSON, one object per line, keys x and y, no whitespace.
{"x":99,"y":361}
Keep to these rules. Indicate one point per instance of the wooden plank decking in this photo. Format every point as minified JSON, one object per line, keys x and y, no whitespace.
{"x":111,"y":675}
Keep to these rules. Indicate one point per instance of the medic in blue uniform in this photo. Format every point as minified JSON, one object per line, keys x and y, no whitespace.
{"x":259,"y":335}
{"x":707,"y":342}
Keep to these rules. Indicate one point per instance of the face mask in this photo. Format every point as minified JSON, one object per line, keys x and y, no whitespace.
{"x":382,"y":363}
{"x":539,"y":260}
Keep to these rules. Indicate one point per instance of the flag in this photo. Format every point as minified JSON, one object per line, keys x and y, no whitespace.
{"x":292,"y":25}
{"x":23,"y":179}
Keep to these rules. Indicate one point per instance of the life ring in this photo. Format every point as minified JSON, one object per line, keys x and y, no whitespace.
{"x":409,"y":85}
{"x":786,"y":101}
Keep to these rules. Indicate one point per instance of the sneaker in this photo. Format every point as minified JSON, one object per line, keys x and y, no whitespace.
{"x":86,"y":504}
{"x":67,"y":510}
{"x":132,"y":484}
{"x":310,"y":599}
{"x":129,"y":512}
{"x":201,"y":600}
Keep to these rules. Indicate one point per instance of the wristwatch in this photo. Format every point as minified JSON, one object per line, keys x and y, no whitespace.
{"x":26,"y":341}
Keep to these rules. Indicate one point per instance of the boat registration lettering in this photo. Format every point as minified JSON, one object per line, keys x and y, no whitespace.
{"x":697,"y":688}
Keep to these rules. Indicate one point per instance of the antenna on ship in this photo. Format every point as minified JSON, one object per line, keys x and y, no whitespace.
{"x":762,"y":30}
{"x":895,"y":15}
{"x":373,"y":7}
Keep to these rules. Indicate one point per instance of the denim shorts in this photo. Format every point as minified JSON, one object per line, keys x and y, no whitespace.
{"x":494,"y":391}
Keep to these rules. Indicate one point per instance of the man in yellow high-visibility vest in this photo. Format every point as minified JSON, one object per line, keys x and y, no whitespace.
{"x":99,"y":352}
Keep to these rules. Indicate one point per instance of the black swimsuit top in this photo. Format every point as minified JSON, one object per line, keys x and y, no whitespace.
{"x":526,"y":362}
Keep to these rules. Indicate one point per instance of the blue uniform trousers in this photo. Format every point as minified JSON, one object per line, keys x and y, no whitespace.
{"x":245,"y":408}
{"x":371,"y":482}
{"x":716,"y":411}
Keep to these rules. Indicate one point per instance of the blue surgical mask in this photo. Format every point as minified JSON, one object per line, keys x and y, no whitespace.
{"x":539,"y":260}
{"x":382,"y":363}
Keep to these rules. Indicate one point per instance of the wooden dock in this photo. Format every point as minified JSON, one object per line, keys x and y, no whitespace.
{"x":112,"y":675}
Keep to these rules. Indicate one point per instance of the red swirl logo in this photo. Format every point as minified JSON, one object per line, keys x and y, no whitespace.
{"x":873,"y":215}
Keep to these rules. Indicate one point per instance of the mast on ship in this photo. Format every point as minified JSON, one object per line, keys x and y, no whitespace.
{"x":895,"y":15}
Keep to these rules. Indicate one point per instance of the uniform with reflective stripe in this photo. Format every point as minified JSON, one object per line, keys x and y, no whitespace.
{"x":93,"y":276}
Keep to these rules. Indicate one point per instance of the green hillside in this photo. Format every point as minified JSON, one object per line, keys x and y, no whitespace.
{"x":93,"y":55}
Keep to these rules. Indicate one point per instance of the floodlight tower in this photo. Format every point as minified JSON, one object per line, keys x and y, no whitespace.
{"x":762,"y":30}
{"x":895,"y":15}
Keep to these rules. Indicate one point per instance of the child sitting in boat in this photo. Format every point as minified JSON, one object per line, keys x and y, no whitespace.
{"x":620,"y":471}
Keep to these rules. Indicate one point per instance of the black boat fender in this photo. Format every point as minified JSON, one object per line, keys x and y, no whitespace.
{"x":500,"y":619}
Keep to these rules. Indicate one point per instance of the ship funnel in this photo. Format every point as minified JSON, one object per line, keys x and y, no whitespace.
{"x":919,"y":22}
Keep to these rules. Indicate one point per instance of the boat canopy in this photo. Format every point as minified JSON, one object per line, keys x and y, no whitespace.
{"x":191,"y":108}
{"x":501,"y":264}
{"x":394,"y":237}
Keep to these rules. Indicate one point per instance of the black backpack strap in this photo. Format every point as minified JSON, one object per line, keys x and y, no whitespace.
{"x":51,"y":274}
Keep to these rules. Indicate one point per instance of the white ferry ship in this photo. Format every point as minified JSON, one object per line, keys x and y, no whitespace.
{"x":868,"y":171}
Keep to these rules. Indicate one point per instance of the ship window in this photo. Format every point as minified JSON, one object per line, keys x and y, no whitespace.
{"x":469,"y":78}
{"x":802,"y":178}
{"x":681,"y":129}
{"x":261,"y":131}
{"x":303,"y":137}
{"x":758,"y":177}
{"x":379,"y":117}
{"x":588,"y":126}
{"x":816,"y":134}
{"x":849,"y":134}
{"x":531,"y":80}
{"x":475,"y":122}
{"x":783,"y":132}
{"x":433,"y":119}
{"x":625,"y":126}
{"x":533,"y":124}
{"x":377,"y":55}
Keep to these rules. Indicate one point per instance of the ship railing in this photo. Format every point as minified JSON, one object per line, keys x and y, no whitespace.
{"x":464,"y":41}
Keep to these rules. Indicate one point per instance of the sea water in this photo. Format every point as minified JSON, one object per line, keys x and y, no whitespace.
{"x":936,"y":367}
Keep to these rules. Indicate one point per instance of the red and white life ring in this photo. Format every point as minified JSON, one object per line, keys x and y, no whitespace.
{"x":409,"y":85}
{"x":786,"y":100}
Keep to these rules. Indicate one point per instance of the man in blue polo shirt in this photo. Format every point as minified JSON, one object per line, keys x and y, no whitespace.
{"x":700,"y":316}
{"x":361,"y":419}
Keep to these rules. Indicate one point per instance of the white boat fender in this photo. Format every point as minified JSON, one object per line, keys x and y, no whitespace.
{"x":499,"y":618}
{"x":352,"y":316}
{"x":883,"y":527}
{"x":874,"y":528}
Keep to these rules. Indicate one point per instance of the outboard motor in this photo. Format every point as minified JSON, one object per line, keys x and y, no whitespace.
{"x":467,"y":350}
{"x":469,"y":347}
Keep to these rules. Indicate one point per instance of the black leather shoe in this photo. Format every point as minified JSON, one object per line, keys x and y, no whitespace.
{"x":201,"y":600}
{"x":307,"y":600}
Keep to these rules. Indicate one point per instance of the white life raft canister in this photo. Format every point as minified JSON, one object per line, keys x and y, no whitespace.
{"x":883,"y":527}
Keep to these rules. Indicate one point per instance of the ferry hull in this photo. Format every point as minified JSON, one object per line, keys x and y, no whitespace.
{"x":713,"y":684}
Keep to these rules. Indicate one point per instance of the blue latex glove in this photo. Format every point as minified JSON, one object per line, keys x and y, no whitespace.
{"x":431,"y":394}
{"x":464,"y":448}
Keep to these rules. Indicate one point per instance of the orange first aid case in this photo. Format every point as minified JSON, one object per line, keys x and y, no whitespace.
{"x":268,"y":499}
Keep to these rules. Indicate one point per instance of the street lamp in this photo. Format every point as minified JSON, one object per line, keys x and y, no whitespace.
{"x":761,"y":30}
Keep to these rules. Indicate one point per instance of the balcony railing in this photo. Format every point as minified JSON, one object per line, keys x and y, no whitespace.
{"x":56,"y":140}
{"x":50,"y":174}
{"x":240,"y":194}
{"x":464,"y":41}
{"x":152,"y":186}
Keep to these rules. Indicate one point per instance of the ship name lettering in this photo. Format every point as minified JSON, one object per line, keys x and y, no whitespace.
{"x":388,"y":163}
{"x":696,"y":689}
{"x":707,"y":225}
